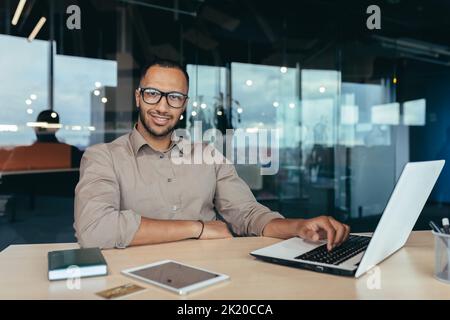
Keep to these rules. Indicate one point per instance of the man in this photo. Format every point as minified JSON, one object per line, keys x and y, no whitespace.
{"x":131,"y":193}
{"x":47,"y":152}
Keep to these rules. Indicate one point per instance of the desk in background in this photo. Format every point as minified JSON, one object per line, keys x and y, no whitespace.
{"x":408,"y":274}
{"x":33,"y":183}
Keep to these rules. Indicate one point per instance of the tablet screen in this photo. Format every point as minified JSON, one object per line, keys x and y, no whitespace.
{"x":174,"y":275}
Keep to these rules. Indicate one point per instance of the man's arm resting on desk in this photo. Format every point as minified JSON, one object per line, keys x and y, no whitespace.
{"x":153,"y":231}
{"x":99,"y":222}
{"x":310,"y":229}
{"x":237,"y":205}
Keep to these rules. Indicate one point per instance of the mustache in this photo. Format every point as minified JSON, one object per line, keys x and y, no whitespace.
{"x":155,"y":113}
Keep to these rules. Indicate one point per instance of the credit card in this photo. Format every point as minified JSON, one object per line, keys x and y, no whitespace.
{"x":121,"y":291}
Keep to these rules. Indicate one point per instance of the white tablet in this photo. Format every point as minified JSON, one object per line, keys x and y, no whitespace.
{"x":175,"y":276}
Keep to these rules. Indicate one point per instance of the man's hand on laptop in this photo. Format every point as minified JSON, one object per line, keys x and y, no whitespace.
{"x":324,"y":227}
{"x":315,"y":229}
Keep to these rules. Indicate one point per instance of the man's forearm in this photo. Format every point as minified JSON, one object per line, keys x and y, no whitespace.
{"x":159,"y":231}
{"x":281,"y":228}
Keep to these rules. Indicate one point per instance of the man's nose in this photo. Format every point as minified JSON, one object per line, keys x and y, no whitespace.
{"x":162,"y":106}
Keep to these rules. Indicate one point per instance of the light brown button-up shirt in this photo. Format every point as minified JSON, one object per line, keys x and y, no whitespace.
{"x":124,"y":180}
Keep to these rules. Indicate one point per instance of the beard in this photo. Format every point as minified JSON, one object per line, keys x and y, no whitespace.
{"x":167,"y":131}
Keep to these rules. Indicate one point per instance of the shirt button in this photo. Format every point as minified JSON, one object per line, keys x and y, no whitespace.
{"x":161,"y":156}
{"x":174,"y":208}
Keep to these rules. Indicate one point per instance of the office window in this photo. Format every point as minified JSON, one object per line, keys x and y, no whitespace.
{"x":77,"y":79}
{"x":207,"y":94}
{"x":24,"y":88}
{"x":356,"y":127}
{"x":320,"y":89}
{"x":262,"y":96}
{"x":366,"y":150}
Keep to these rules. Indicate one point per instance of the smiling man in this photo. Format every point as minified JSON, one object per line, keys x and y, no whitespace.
{"x":131,"y":193}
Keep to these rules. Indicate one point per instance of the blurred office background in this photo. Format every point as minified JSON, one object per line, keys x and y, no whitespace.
{"x":353,"y":105}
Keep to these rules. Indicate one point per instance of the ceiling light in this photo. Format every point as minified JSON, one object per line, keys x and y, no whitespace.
{"x":9,"y":127}
{"x":18,"y":12}
{"x":36,"y":29}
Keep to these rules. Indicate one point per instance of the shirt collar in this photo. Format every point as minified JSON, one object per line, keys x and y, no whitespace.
{"x":138,"y":141}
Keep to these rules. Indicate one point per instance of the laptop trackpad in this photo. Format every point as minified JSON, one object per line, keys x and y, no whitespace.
{"x":288,"y":249}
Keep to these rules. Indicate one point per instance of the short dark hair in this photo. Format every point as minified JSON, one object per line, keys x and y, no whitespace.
{"x":48,"y":116}
{"x":165,"y":63}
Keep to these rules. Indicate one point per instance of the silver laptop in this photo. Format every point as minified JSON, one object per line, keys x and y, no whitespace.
{"x":359,"y":254}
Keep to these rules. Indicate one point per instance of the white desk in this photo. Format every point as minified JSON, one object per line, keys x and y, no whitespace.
{"x":408,"y":274}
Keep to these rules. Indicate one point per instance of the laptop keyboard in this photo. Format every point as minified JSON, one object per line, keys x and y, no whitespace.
{"x":347,"y":250}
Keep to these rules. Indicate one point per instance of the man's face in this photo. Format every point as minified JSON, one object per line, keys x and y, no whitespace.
{"x":160,"y":119}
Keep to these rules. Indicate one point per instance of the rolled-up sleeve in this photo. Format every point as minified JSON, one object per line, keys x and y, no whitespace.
{"x":237,"y":205}
{"x":99,"y":222}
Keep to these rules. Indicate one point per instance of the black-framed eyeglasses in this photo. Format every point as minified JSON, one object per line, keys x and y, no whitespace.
{"x":153,"y":96}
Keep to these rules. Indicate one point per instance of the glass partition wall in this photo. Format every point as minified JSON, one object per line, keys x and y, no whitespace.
{"x":349,"y":106}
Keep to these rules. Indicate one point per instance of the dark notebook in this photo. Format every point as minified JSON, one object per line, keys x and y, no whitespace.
{"x":76,"y":263}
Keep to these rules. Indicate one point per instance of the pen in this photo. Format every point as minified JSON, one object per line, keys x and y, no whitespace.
{"x":446,"y":225}
{"x":434,"y":227}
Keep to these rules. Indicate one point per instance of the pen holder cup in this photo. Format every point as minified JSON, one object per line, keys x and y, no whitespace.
{"x":442,"y":256}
